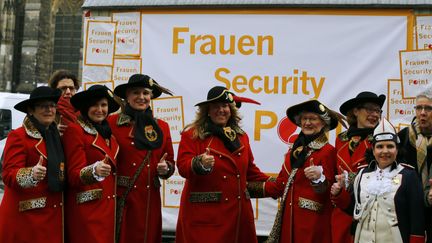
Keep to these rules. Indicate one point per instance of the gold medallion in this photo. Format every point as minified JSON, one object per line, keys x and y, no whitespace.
{"x":61,"y":172}
{"x":229,"y":133}
{"x":150,"y":133}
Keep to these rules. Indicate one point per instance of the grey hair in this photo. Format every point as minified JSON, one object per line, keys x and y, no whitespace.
{"x":425,"y":94}
{"x":324,"y":117}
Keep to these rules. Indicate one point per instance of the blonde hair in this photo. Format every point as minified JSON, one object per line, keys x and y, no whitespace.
{"x":199,"y":124}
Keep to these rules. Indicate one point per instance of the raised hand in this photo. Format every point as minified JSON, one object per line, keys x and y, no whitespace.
{"x":162,"y":167}
{"x":207,"y":159}
{"x":61,"y":127}
{"x":39,"y":171}
{"x":337,"y":186}
{"x":312,"y":172}
{"x":103,"y":168}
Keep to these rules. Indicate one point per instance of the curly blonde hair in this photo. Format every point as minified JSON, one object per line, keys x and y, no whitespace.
{"x":199,"y":124}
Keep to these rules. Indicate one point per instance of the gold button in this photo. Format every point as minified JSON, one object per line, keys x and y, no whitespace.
{"x":239,"y":154}
{"x":389,"y":209}
{"x":133,"y":164}
{"x":55,"y":205}
{"x":109,"y":197}
{"x":224,"y":177}
{"x":148,"y":165}
{"x":148,"y":186}
{"x":134,"y":186}
{"x":220,"y":156}
{"x":238,"y":176}
{"x":114,"y":196}
{"x":61,"y":204}
{"x":114,"y":174}
{"x":238,"y":197}
{"x":132,"y":143}
{"x":226,"y":199}
{"x":393,"y":219}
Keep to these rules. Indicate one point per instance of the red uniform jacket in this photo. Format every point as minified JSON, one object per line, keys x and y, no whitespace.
{"x":90,"y":204}
{"x":216,"y":207}
{"x":306,"y":213}
{"x":341,"y":221}
{"x":28,"y":212}
{"x":142,"y":216}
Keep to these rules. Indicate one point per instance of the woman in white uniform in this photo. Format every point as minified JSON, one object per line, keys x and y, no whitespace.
{"x":387,"y":195}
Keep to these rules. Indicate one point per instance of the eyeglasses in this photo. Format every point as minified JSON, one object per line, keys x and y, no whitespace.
{"x":420,"y":108}
{"x":371,"y":110}
{"x":310,"y":119}
{"x":64,"y":88}
{"x":46,"y":106}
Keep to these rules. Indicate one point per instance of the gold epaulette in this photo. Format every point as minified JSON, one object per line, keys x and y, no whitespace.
{"x":361,"y":167}
{"x":407,"y":166}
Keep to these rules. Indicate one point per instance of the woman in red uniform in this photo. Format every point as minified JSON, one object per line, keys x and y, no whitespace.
{"x":216,"y":159}
{"x":146,"y":154}
{"x":305,"y":178}
{"x":91,"y":152}
{"x":33,"y":173}
{"x":363,"y":114}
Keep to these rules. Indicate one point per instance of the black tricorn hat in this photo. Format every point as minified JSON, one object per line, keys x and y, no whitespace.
{"x":218,"y":94}
{"x":39,"y":94}
{"x":362,"y":97}
{"x":81,"y":100}
{"x":316,"y":107}
{"x":141,"y":80}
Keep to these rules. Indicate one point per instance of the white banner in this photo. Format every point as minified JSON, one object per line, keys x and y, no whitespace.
{"x":277,"y":57}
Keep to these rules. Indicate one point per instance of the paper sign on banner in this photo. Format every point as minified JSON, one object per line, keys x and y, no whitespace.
{"x":170,"y":110}
{"x":109,"y":84}
{"x":416,"y":72}
{"x":424,"y":32}
{"x":93,"y":74}
{"x":128,"y":38}
{"x":400,"y":110}
{"x":171,"y":191}
{"x":100,"y":48}
{"x":124,"y":68}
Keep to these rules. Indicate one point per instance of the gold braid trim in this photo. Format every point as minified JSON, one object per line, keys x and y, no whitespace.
{"x":89,"y":195}
{"x":24,"y":177}
{"x":309,"y":204}
{"x":204,"y":197}
{"x":197,"y":166}
{"x":32,"y":204}
{"x":86,"y":175}
{"x":123,"y":181}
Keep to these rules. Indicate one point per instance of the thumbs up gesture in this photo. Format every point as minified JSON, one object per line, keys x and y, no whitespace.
{"x":312,"y":172}
{"x":103,"y":168}
{"x":337,"y":186}
{"x":39,"y":171}
{"x":207,"y":159}
{"x":162,"y":167}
